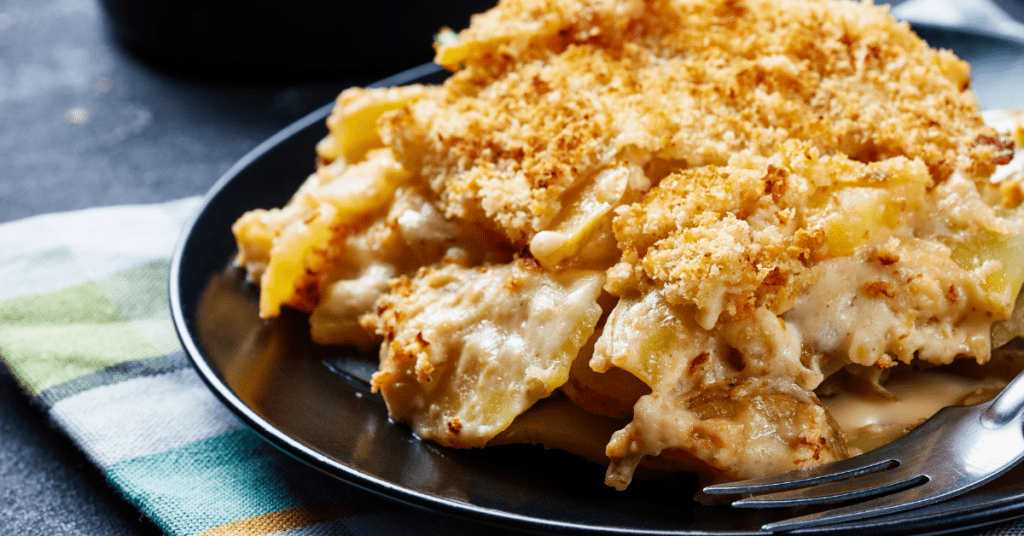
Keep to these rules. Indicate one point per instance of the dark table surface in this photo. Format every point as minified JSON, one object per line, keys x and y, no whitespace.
{"x":89,"y":122}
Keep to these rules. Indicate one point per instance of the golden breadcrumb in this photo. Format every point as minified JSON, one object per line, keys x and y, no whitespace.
{"x":733,"y":238}
{"x":552,"y":91}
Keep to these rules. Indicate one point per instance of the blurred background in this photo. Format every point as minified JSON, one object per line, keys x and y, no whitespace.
{"x":271,"y":39}
{"x":106,"y":102}
{"x":164,"y":95}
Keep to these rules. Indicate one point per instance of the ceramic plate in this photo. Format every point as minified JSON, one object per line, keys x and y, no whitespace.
{"x":296,"y":395}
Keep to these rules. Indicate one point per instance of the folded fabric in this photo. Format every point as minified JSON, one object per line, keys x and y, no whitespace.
{"x":85,"y":327}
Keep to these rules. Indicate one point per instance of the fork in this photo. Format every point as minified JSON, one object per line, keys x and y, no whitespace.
{"x":955,"y":451}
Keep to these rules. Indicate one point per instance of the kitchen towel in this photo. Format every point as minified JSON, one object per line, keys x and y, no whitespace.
{"x":86,"y":329}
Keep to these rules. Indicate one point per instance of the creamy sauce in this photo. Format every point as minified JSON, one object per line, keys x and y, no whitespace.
{"x":917,"y":397}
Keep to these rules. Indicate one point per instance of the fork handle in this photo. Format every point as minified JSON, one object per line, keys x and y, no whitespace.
{"x":1007,"y":405}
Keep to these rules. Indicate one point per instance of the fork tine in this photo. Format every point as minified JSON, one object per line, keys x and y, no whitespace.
{"x":874,"y":461}
{"x":907,"y":499}
{"x":845,"y":490}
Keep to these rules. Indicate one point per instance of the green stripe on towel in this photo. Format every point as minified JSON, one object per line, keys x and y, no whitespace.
{"x":85,"y":302}
{"x":43,"y":356}
{"x":54,"y":337}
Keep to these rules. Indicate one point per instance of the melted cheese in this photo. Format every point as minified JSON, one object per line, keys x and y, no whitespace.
{"x":913,"y":398}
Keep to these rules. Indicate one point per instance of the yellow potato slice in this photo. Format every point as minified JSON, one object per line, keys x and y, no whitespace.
{"x":468,"y":349}
{"x":352,"y":125}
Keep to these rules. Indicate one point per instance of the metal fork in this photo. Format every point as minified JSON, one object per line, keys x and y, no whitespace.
{"x":957,"y":450}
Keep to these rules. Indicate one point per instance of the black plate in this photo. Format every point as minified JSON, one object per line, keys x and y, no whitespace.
{"x":272,"y":377}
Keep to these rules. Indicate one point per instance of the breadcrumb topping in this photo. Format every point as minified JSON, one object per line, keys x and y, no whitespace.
{"x":550,"y":92}
{"x":733,"y":238}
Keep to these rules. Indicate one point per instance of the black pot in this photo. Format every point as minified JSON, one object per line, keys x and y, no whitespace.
{"x":270,"y":38}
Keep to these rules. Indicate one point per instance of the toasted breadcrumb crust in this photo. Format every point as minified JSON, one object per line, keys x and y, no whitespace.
{"x":551,"y":91}
{"x":745,"y":234}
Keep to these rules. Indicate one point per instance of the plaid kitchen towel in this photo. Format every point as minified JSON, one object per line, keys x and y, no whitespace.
{"x":85,"y":327}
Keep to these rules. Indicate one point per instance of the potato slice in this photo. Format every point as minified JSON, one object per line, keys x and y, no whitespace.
{"x":746,"y":429}
{"x":352,"y":124}
{"x":298,"y":254}
{"x":588,"y":214}
{"x":468,"y":349}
